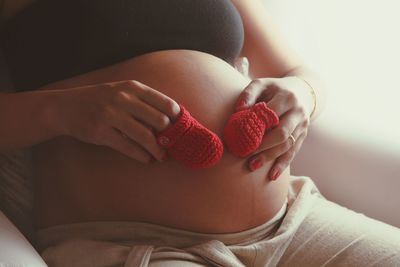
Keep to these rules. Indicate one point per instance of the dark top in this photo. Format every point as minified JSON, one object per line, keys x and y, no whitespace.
{"x":52,"y":40}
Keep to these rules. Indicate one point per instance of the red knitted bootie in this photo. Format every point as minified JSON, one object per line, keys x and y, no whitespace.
{"x":245,"y":129}
{"x":191,"y":143}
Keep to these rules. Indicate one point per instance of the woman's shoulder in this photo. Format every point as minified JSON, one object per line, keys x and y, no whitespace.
{"x":9,"y":8}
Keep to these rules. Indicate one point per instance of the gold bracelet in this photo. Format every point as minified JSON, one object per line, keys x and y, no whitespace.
{"x":314,"y":96}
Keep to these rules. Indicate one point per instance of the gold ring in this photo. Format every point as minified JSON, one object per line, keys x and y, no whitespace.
{"x":291,"y":137}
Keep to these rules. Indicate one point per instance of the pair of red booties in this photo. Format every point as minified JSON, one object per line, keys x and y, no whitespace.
{"x":197,"y":147}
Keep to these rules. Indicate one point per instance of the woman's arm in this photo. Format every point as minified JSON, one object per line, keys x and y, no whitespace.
{"x":270,"y":55}
{"x":121,"y":115}
{"x":283,"y":81}
{"x":24,"y":119}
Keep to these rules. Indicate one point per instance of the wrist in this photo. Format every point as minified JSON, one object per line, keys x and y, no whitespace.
{"x":50,"y":113}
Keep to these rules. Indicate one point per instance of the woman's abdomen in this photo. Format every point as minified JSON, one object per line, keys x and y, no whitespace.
{"x":76,"y":181}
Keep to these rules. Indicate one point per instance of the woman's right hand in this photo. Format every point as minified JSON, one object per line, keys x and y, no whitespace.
{"x":121,"y":115}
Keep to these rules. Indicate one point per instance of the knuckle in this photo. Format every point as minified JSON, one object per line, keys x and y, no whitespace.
{"x":146,"y":136}
{"x":256,"y":83}
{"x":130,"y":86}
{"x":163,"y":121}
{"x":291,"y":98}
{"x":119,"y":96}
{"x":282,"y":134}
{"x":288,"y":145}
{"x":132,"y":83}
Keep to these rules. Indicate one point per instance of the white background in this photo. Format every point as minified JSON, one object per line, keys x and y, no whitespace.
{"x":353,"y":149}
{"x":355,"y":46}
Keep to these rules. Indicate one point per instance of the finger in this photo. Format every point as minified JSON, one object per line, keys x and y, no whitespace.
{"x":257,"y":89}
{"x":142,"y":111}
{"x":116,"y":141}
{"x":259,"y":159}
{"x":139,"y":133}
{"x":279,"y":135}
{"x":156,"y":99}
{"x":280,"y":103}
{"x":276,"y":151}
{"x":282,"y":162}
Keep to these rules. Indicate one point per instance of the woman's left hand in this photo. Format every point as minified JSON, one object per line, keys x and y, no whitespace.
{"x":291,"y":99}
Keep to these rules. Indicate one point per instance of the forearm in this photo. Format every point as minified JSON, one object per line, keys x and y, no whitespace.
{"x":25,"y":119}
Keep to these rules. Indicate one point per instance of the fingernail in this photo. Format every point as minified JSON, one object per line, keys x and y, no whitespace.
{"x":242,"y":104}
{"x":275,"y":174}
{"x":177,"y":112}
{"x":255,"y":164}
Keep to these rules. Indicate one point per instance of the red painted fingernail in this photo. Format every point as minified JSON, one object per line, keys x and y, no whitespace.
{"x":275,"y":174}
{"x":255,"y":164}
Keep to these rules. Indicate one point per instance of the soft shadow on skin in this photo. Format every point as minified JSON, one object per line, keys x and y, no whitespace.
{"x":224,"y":198}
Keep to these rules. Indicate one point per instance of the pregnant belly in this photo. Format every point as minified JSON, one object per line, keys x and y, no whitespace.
{"x":77,"y":182}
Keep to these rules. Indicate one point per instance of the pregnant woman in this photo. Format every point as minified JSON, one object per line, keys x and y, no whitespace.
{"x":103,"y":79}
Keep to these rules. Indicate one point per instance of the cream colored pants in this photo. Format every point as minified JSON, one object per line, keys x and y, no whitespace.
{"x":308,"y":231}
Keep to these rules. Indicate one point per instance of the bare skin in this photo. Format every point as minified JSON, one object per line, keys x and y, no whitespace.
{"x":82,"y":181}
{"x":78,"y":182}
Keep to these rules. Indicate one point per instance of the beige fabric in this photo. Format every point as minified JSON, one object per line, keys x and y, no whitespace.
{"x":310,"y":231}
{"x":135,"y":244}
{"x":15,"y":250}
{"x":334,"y":236}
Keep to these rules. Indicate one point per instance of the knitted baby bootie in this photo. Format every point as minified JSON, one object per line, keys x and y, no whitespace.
{"x":245,"y":129}
{"x":189,"y":142}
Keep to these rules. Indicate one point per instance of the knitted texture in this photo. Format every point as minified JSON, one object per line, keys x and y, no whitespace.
{"x":245,"y":129}
{"x":189,"y":142}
